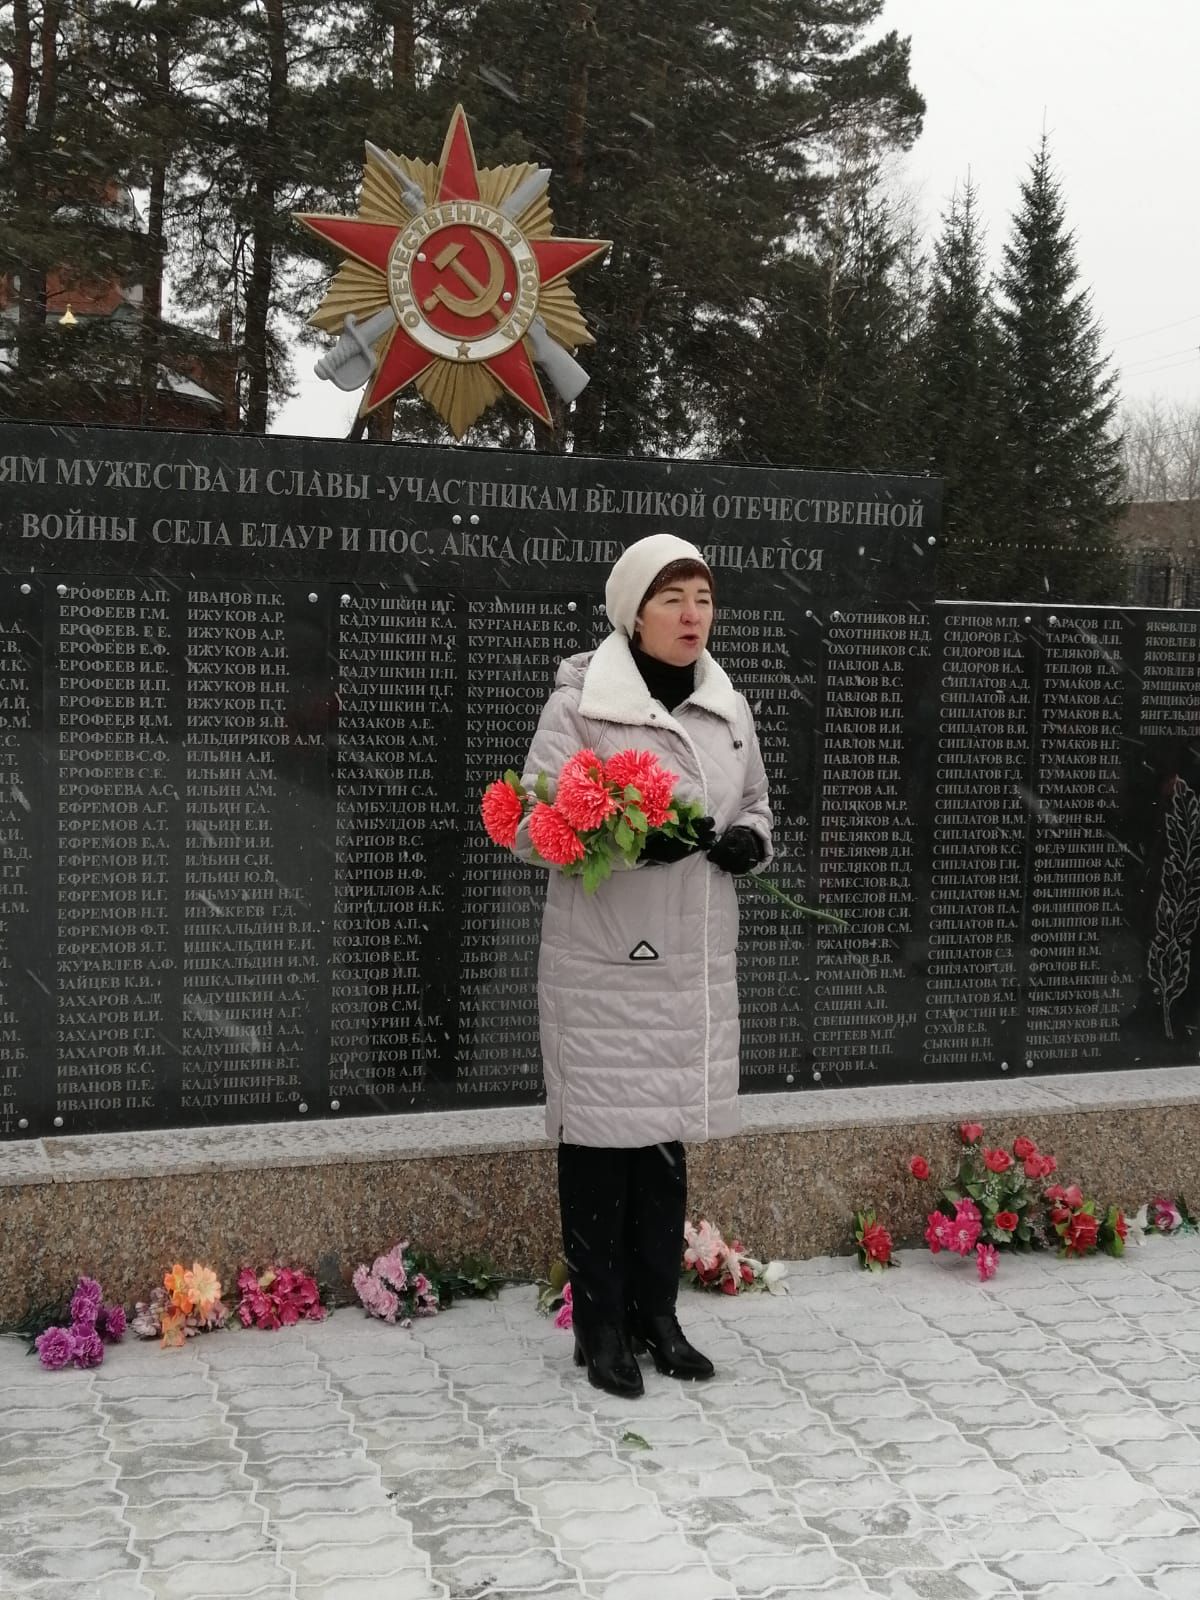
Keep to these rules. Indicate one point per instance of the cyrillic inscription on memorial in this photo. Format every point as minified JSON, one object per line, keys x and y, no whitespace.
{"x":513,"y":647}
{"x":981,"y":809}
{"x":25,"y":968}
{"x":251,"y":959}
{"x":772,"y":661}
{"x":398,"y":667}
{"x":866,"y":1009}
{"x":1083,"y":973}
{"x":118,"y":812}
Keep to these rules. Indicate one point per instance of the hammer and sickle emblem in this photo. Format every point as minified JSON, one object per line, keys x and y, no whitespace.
{"x":486,"y":294}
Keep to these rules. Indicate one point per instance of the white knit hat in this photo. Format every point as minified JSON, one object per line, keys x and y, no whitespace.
{"x":636,"y":570}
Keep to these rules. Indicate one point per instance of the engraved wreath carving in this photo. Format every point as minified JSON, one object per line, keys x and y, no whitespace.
{"x":1178,"y":910}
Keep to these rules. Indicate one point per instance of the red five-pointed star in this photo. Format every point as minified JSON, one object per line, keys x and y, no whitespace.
{"x":403,"y":358}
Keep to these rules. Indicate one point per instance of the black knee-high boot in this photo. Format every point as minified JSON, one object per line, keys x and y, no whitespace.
{"x":592,"y":1194}
{"x":654,"y":1217}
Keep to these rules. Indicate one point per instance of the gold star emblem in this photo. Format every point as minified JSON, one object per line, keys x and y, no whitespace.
{"x":454,"y":281}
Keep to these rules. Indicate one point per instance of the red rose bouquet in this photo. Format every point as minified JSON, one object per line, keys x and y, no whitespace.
{"x":601,"y":814}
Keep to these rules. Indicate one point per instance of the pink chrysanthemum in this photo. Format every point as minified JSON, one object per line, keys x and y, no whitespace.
{"x":986,"y":1261}
{"x":653,"y":782}
{"x":554,"y":839}
{"x":502,"y":811}
{"x":582,"y":795}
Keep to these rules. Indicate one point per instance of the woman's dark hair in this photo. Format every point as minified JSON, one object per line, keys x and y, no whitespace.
{"x":672,"y":572}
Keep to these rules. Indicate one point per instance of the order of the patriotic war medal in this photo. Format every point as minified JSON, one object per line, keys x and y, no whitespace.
{"x":454,"y":281}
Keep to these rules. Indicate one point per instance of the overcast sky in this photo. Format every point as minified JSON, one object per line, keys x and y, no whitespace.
{"x":1115,"y":84}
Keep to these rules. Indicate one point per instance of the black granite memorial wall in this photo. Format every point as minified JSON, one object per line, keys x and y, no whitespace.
{"x":251,"y":691}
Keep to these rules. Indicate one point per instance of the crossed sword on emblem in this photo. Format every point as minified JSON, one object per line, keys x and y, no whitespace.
{"x":352,"y":360}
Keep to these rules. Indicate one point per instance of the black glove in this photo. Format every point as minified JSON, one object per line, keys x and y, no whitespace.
{"x":736,"y":851}
{"x":663,"y":850}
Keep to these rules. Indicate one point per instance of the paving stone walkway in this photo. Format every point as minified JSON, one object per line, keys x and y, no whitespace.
{"x":915,"y":1437}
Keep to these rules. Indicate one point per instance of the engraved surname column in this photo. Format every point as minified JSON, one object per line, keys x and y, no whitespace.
{"x":396,"y":670}
{"x":1080,"y":985}
{"x":980,"y":825}
{"x":117,"y":813}
{"x":249,"y":939}
{"x":865,"y":862}
{"x":514,"y":646}
{"x":21,"y":1100}
{"x":760,"y":655}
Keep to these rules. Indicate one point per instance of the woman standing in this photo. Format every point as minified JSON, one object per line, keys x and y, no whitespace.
{"x":637,"y":983}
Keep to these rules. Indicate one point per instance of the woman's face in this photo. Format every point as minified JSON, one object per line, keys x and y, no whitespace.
{"x":673,"y":625}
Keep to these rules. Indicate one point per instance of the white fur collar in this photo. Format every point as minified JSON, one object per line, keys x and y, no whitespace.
{"x":615,"y":691}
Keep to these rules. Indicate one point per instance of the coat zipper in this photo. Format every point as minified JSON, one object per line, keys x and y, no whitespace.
{"x":707,"y":883}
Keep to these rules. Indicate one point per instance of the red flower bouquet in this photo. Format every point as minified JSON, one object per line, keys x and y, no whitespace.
{"x":601,"y":814}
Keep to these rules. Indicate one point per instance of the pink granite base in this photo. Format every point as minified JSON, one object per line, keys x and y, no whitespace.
{"x":787,"y":1194}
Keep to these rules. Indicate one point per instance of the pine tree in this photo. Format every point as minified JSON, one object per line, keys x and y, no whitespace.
{"x":959,"y":405}
{"x":1064,"y":469}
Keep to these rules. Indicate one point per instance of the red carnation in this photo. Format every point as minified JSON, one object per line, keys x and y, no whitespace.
{"x":1006,"y":1221}
{"x":970,"y":1132}
{"x":877,"y":1243}
{"x":997,"y":1160}
{"x":582,"y":796}
{"x":554,"y":839}
{"x":502,"y":812}
{"x":1023,"y":1148}
{"x":919,"y":1167}
{"x":1120,"y":1226}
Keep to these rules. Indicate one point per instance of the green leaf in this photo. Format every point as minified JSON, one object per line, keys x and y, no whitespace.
{"x":542,"y":788}
{"x":636,"y":818}
{"x":634,"y":1440}
{"x":624,"y":835}
{"x":513,"y":780}
{"x":596,"y":871}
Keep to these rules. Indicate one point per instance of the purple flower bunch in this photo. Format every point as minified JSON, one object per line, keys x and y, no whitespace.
{"x":393,"y":1290}
{"x":81,"y":1342}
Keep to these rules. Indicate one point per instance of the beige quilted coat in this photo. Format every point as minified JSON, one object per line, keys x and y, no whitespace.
{"x":637,"y":983}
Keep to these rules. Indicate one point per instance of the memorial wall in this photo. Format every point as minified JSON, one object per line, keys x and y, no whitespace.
{"x":251,"y":691}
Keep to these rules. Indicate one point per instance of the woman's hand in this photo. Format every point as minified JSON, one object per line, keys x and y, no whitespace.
{"x":736,"y":851}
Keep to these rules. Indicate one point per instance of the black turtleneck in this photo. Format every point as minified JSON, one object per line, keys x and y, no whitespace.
{"x":671,"y":685}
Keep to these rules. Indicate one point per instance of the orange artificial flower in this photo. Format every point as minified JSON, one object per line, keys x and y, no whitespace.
{"x":203,"y":1287}
{"x":175,"y":1283}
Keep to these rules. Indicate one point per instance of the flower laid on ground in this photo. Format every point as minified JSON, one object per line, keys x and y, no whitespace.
{"x":873,"y":1241}
{"x":564,"y":1317}
{"x":187,"y":1303}
{"x":80,"y":1342}
{"x":1079,"y":1229}
{"x":393,"y":1289}
{"x":995,"y":1202}
{"x":1164,"y":1215}
{"x":277,"y":1297}
{"x":554,"y":1293}
{"x":710,"y":1263}
{"x":600,"y":815}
